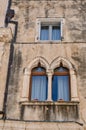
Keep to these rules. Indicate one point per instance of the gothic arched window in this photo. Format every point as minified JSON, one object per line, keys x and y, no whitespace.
{"x":60,"y":84}
{"x":39,"y":84}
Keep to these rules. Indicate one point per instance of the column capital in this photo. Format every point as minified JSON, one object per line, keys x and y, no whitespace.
{"x":27,"y":71}
{"x":75,"y":99}
{"x":49,"y":72}
{"x":72,"y":72}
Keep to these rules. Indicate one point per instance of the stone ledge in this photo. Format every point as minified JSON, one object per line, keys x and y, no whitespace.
{"x":5,"y":35}
{"x":22,"y":125}
{"x":33,"y":103}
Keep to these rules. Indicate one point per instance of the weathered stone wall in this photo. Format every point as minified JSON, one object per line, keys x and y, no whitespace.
{"x":25,"y":50}
{"x":20,"y":125}
{"x":26,"y":13}
{"x":3,"y":9}
{"x":25,"y":53}
{"x":5,"y":38}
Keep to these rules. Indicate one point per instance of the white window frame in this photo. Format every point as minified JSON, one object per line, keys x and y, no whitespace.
{"x":49,"y":22}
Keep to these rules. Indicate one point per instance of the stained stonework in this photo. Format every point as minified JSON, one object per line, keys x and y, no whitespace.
{"x":5,"y":35}
{"x":22,"y":60}
{"x":73,"y":11}
{"x":3,"y":9}
{"x":19,"y":48}
{"x":5,"y":38}
{"x":16,"y":125}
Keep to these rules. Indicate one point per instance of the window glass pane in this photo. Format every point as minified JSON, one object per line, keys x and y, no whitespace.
{"x":61,"y":69}
{"x":39,"y":88}
{"x":54,"y":88}
{"x":44,"y":33}
{"x":38,"y":69}
{"x":56,"y":33}
{"x":60,"y":88}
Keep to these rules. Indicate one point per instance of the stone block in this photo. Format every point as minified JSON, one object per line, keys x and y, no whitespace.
{"x":5,"y":35}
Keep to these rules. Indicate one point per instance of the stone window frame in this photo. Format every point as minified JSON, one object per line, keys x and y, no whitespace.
{"x":42,"y":73}
{"x":48,"y":21}
{"x":49,"y":71}
{"x":63,"y":73}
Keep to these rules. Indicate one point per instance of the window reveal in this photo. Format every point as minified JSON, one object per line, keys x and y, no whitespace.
{"x":60,"y":84}
{"x":39,"y":84}
{"x":50,"y":32}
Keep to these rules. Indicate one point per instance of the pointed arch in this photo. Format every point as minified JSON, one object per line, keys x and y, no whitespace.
{"x":27,"y":75}
{"x":44,"y":63}
{"x":66,"y":63}
{"x":73,"y":80}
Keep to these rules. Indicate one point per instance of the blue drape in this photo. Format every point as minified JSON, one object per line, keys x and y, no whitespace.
{"x":56,"y":33}
{"x":60,"y":88}
{"x":39,"y":88}
{"x":44,"y":33}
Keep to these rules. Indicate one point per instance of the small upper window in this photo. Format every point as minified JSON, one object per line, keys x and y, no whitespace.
{"x":49,"y":29}
{"x":50,"y":32}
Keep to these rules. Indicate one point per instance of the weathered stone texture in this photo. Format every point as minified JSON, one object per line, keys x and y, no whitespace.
{"x":16,"y":125}
{"x":3,"y":9}
{"x":21,"y":53}
{"x":4,"y":60}
{"x":5,"y":35}
{"x":73,"y":11}
{"x":50,"y":111}
{"x":50,"y":51}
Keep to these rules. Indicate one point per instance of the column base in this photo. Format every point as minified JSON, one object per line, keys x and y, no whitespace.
{"x":50,"y":100}
{"x":75,"y":99}
{"x":24,"y":99}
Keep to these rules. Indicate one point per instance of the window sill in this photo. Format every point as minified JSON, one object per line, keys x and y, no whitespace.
{"x":40,"y":103}
{"x":50,"y":111}
{"x":49,"y":41}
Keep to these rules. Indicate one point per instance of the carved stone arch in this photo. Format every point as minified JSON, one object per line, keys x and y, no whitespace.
{"x":73,"y":80}
{"x":57,"y":61}
{"x":44,"y":63}
{"x":27,"y":75}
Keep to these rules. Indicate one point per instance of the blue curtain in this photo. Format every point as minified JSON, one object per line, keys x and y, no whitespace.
{"x":60,"y":88}
{"x":39,"y":88}
{"x":44,"y":33}
{"x":56,"y":33}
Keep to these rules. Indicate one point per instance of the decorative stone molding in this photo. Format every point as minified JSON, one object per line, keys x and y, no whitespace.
{"x":56,"y":63}
{"x":27,"y":73}
{"x":49,"y":71}
{"x":26,"y":82}
{"x":43,"y":61}
{"x":73,"y":82}
{"x":5,"y":35}
{"x":48,"y":21}
{"x":50,"y":74}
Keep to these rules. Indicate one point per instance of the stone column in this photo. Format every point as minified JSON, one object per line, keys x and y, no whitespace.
{"x":25,"y":89}
{"x":74,"y":93}
{"x":49,"y":86}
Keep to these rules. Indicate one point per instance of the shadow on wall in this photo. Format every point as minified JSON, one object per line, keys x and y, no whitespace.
{"x":9,"y":15}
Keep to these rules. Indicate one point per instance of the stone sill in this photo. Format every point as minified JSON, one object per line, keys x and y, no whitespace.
{"x":40,"y":103}
{"x":52,"y":42}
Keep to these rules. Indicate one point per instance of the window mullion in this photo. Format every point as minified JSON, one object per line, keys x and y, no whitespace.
{"x":50,"y":32}
{"x":61,"y":26}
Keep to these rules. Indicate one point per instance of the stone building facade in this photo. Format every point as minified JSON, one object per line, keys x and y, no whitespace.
{"x":43,"y":38}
